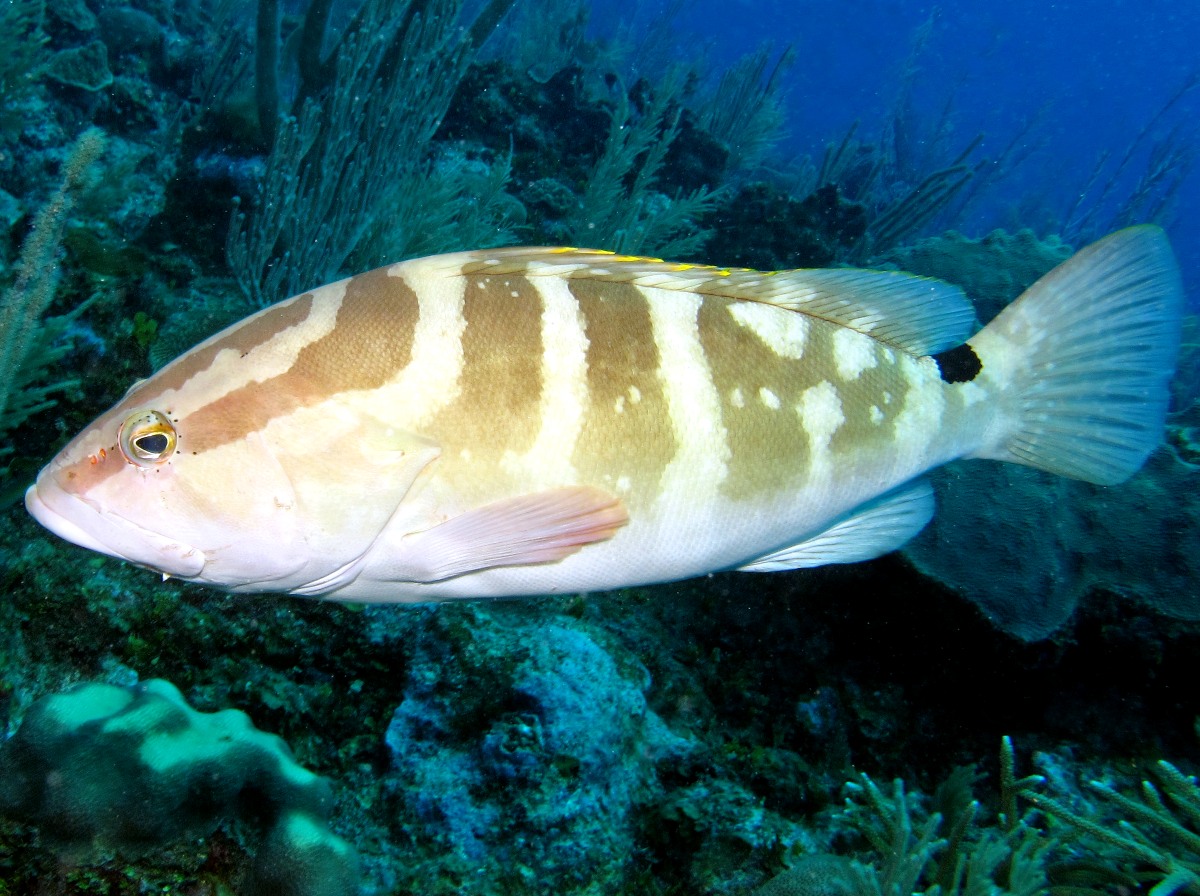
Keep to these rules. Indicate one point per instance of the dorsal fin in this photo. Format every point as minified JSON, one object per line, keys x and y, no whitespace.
{"x":914,"y":314}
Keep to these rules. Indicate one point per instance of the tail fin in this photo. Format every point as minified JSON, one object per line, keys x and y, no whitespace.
{"x":1082,"y":360}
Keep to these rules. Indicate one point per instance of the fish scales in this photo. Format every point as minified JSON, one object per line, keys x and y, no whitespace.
{"x":545,"y":420}
{"x":626,"y":395}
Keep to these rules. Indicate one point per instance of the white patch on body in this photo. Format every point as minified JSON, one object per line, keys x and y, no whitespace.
{"x":700,"y":465}
{"x":919,"y":422}
{"x":784,"y":332}
{"x":564,"y":388}
{"x":853,"y":353}
{"x":431,"y":381}
{"x":972,"y":393}
{"x":820,"y":410}
{"x":768,"y":398}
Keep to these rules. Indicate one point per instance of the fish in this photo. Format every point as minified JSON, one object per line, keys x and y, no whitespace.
{"x":533,"y":421}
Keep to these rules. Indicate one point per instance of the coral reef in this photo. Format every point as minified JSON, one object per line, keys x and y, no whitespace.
{"x":758,"y":709}
{"x":506,"y":724}
{"x":1051,"y":542}
{"x":992,"y":270}
{"x":762,"y":227}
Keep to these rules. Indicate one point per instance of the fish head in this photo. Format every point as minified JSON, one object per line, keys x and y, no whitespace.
{"x":229,"y":468}
{"x":128,"y":487}
{"x":274,"y":511}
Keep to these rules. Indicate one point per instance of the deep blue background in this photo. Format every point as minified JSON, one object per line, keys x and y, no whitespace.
{"x":1093,"y":74}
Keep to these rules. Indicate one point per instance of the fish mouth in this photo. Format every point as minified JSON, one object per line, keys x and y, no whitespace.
{"x":78,"y":520}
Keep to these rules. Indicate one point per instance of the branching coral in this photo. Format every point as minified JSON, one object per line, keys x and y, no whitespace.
{"x":26,"y":343}
{"x":946,"y":853}
{"x":620,"y":209}
{"x":1159,"y":828}
{"x":940,"y":846}
{"x":345,"y":181}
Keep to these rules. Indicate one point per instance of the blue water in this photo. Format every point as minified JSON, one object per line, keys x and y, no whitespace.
{"x":1091,"y":77}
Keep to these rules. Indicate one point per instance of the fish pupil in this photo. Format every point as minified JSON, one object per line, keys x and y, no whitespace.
{"x":153,"y":444}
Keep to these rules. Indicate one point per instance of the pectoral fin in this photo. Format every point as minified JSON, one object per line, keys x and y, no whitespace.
{"x":537,"y":528}
{"x":870,"y":530}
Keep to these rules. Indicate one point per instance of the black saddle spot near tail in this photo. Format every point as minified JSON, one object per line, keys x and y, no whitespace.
{"x":959,"y":365}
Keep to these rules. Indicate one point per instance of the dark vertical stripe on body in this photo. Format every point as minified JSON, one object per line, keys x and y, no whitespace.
{"x":859,"y":433}
{"x":370,"y":342}
{"x":627,"y":429}
{"x":498,"y":408}
{"x":766,"y":446}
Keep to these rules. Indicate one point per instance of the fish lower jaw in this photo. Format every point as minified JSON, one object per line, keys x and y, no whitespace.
{"x":68,"y":516}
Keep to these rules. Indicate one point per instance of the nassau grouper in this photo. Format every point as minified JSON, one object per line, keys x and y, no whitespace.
{"x":537,"y":421}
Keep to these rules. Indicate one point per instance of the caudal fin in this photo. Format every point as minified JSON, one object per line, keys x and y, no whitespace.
{"x":1082,"y":360}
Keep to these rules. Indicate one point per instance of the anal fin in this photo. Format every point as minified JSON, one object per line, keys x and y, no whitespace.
{"x":871,"y":530}
{"x":538,"y":528}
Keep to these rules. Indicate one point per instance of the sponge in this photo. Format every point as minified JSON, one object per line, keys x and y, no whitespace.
{"x":102,"y":768}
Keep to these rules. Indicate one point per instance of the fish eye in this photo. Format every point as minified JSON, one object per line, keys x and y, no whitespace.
{"x":147,"y":438}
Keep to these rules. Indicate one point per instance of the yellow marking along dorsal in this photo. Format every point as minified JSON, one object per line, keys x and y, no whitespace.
{"x":917,"y":315}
